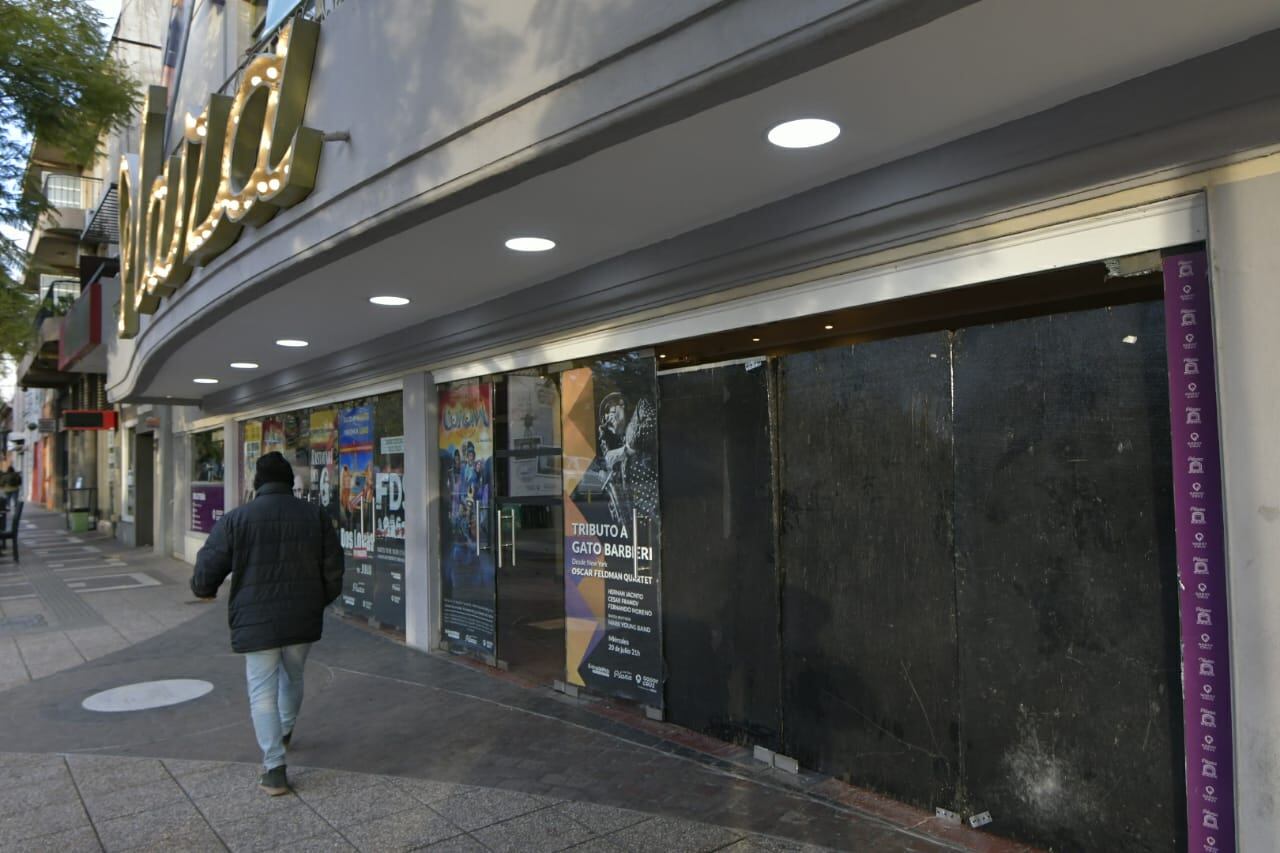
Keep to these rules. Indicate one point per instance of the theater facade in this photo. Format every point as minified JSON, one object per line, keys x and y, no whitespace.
{"x":888,"y":386}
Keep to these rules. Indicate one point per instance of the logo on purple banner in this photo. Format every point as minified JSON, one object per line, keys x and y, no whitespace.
{"x":1202,"y":585}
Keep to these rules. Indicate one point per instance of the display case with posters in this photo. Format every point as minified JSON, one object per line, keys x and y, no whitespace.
{"x":349,"y":459}
{"x":207,"y":497}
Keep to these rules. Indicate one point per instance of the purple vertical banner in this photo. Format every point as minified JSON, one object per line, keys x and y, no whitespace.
{"x":1202,"y":576}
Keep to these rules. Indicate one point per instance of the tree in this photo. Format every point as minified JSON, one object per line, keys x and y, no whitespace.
{"x":58,"y":84}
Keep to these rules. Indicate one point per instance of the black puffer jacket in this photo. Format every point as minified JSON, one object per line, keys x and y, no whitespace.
{"x":285,"y":563}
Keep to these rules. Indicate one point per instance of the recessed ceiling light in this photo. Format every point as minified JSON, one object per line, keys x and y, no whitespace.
{"x":804,"y":133}
{"x":1130,"y":339}
{"x":828,"y":327}
{"x":244,"y":365}
{"x":291,"y":342}
{"x":755,"y":340}
{"x":661,"y":356}
{"x":388,"y":300}
{"x":530,"y":244}
{"x":204,"y":380}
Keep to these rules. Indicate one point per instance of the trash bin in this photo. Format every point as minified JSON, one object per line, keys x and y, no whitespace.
{"x":79,"y":521}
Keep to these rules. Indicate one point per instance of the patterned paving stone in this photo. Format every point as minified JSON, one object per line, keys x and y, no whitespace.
{"x":426,"y":790}
{"x":37,"y":793}
{"x":675,"y":836}
{"x":600,"y":819}
{"x":44,"y":820}
{"x":100,"y":773}
{"x":542,"y":831}
{"x":485,"y":806}
{"x":370,"y":804}
{"x":106,"y":804}
{"x":175,"y":827}
{"x":243,"y":803}
{"x":766,"y":844}
{"x":271,"y":831}
{"x":222,"y":781}
{"x":30,"y":770}
{"x":457,"y":844}
{"x":80,"y":840}
{"x":314,"y":784}
{"x":407,"y":830}
{"x":330,"y":842}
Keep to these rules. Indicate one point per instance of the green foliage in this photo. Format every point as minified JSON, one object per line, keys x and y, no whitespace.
{"x":58,"y":84}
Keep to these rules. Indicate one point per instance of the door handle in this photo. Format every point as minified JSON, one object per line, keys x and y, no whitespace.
{"x":499,"y":538}
{"x":513,"y":537}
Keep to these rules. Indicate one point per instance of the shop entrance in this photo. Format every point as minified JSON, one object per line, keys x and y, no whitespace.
{"x":528,"y":525}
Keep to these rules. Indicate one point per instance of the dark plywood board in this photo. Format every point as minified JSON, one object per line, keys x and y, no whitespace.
{"x":1067,"y":580}
{"x":867,"y":558}
{"x":720,"y":584}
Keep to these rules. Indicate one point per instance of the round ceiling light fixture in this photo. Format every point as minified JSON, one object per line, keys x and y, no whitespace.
{"x":804,"y":133}
{"x":530,"y":244}
{"x":291,"y":342}
{"x":245,"y":365}
{"x":204,"y":380}
{"x":393,"y":301}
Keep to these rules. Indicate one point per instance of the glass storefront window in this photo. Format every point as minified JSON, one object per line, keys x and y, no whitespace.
{"x":207,"y":496}
{"x":348,"y":457}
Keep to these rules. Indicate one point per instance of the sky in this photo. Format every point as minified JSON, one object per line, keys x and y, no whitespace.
{"x":110,"y":10}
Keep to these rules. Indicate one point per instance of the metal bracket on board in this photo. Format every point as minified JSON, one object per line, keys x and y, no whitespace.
{"x":653,"y":713}
{"x":980,"y":819}
{"x":502,"y":665}
{"x":570,"y":690}
{"x":948,"y":815}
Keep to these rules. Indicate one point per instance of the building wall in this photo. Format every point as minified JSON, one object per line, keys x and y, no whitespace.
{"x":498,"y":84}
{"x":1246,"y":255}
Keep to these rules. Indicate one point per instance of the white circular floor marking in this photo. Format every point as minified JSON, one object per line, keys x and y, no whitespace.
{"x":147,"y":694}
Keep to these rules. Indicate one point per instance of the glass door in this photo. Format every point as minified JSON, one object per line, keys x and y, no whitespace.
{"x":529,"y":524}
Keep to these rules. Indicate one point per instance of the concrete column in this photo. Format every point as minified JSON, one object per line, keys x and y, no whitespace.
{"x":422,"y":513}
{"x":165,"y":483}
{"x":232,"y":464}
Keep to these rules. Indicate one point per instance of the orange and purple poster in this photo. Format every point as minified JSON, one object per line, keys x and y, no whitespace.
{"x":613,"y":623}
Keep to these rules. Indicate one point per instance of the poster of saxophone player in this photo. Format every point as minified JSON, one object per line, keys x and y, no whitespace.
{"x":613,"y":640}
{"x":466,"y":483}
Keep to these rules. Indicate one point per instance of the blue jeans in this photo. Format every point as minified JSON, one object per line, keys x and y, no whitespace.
{"x":275,"y":695}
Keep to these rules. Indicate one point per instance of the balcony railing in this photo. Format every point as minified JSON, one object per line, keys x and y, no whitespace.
{"x":312,"y":10}
{"x":58,"y":299}
{"x":71,"y":192}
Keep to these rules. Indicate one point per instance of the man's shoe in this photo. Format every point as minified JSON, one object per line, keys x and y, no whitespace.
{"x":274,"y":782}
{"x":288,"y":736}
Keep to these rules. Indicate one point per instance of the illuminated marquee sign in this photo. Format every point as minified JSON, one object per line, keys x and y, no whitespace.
{"x":239,"y":163}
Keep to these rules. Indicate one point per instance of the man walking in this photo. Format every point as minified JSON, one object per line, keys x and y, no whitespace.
{"x":286,"y":565}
